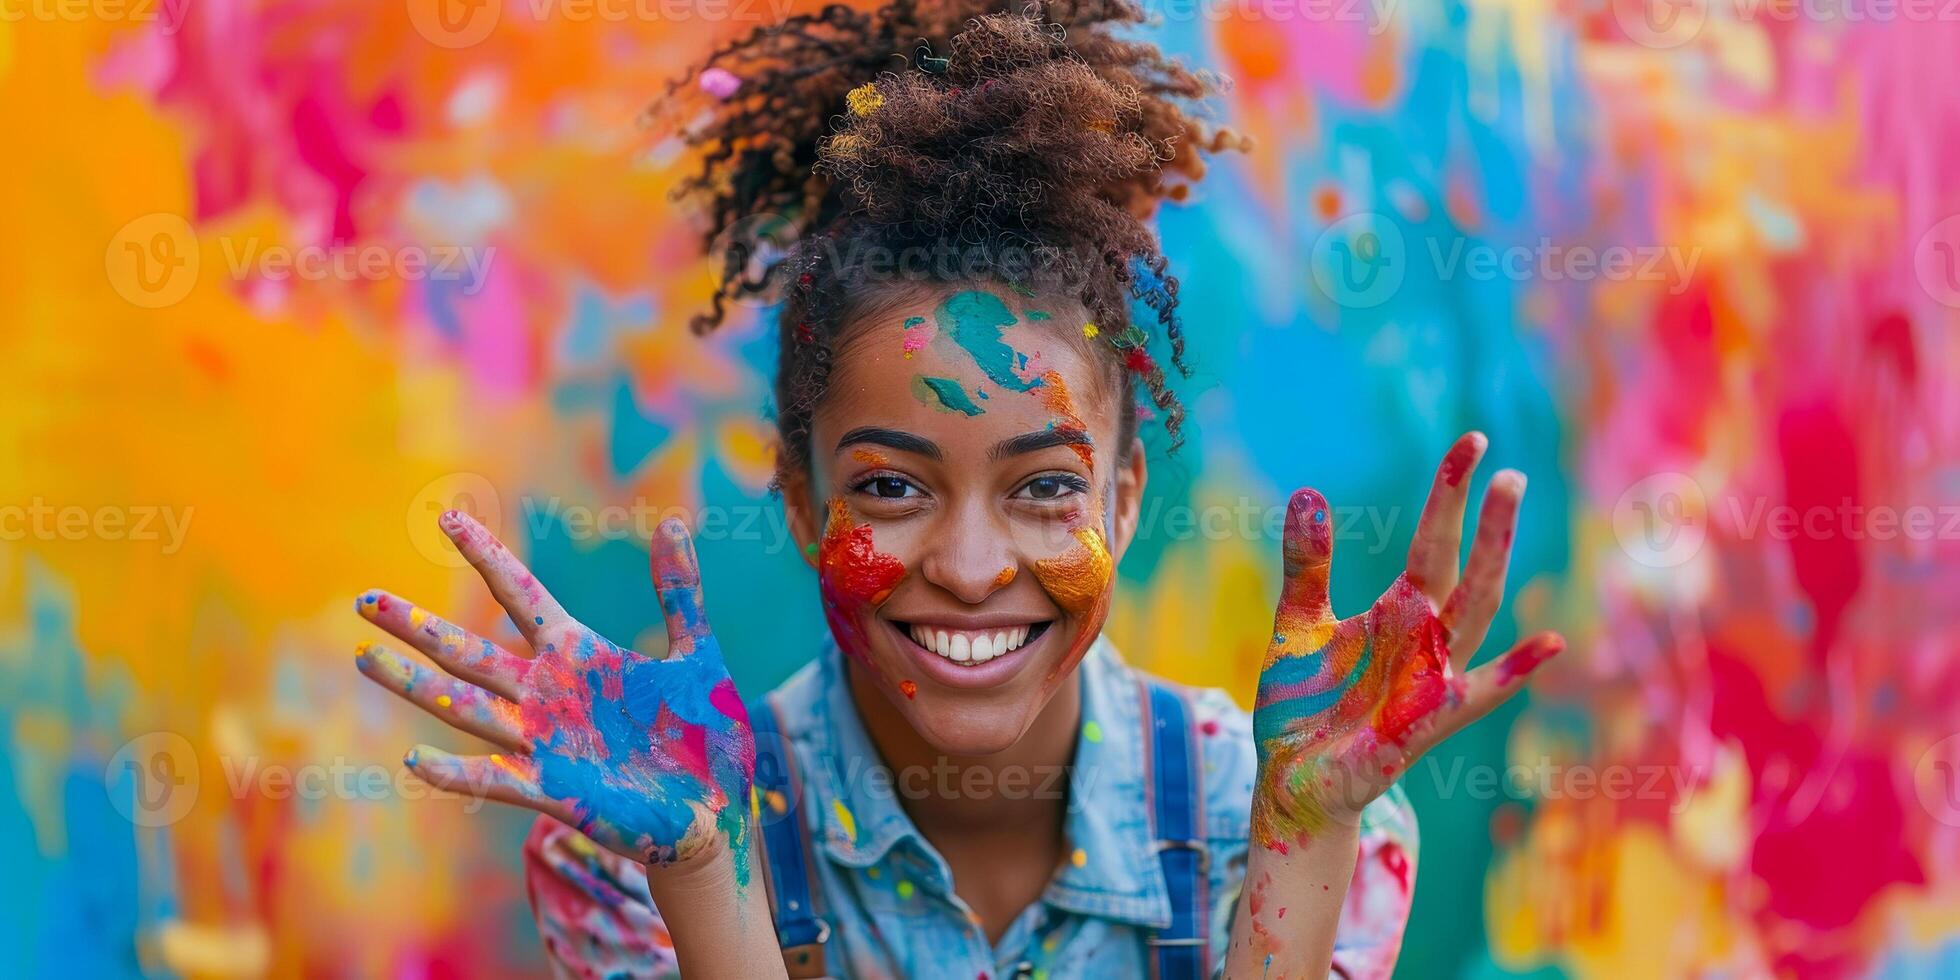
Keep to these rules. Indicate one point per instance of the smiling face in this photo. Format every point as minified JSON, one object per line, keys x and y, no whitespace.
{"x":968,"y":503}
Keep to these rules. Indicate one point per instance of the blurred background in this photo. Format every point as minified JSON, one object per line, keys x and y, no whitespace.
{"x":281,"y":281}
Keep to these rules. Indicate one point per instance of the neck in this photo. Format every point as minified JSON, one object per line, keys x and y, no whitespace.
{"x":1010,"y":792}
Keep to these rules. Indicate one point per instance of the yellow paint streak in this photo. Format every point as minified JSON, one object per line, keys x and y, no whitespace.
{"x":1080,"y":577}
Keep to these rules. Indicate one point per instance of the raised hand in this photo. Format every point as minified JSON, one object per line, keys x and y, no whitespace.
{"x":650,"y":758}
{"x":1346,"y":705}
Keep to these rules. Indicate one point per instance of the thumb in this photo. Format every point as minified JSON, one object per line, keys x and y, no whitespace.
{"x":1308,"y":548}
{"x":677,"y":577}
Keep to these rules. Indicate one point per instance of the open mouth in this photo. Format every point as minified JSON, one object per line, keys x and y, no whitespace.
{"x":973,"y":647}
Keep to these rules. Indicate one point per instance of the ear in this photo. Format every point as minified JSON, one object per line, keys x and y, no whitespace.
{"x":1130,"y":480}
{"x":801,"y":510}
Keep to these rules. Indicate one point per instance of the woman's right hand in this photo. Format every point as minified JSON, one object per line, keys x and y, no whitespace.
{"x":650,"y":758}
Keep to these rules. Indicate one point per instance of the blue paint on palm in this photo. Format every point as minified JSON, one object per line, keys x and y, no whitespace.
{"x":1281,"y":709}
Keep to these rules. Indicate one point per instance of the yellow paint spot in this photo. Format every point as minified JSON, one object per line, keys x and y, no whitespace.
{"x":1080,"y":858}
{"x":755,"y":803}
{"x":1090,"y":330}
{"x":417,"y":616}
{"x":1092,"y":731}
{"x":905,"y":889}
{"x":845,"y":819}
{"x":443,"y":701}
{"x":452,"y":642}
{"x":865,"y":99}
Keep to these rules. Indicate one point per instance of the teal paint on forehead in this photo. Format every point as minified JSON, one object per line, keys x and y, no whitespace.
{"x":974,"y":320}
{"x":951,"y":395}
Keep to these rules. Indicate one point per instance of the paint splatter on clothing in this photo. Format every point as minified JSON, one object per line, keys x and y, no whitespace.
{"x":890,"y":896}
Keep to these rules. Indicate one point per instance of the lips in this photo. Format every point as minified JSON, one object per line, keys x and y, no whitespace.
{"x":973,"y":646}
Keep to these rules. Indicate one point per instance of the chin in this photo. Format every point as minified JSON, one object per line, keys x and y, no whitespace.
{"x":975,"y":688}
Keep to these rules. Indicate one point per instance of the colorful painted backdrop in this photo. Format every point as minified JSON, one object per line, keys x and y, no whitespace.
{"x":279,"y":281}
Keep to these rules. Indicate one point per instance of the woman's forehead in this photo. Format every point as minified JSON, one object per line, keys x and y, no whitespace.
{"x":987,"y":360}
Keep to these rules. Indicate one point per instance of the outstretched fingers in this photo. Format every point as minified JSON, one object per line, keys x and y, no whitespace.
{"x":453,"y":648}
{"x":1493,"y":684}
{"x":459,"y":705}
{"x":532,"y":608}
{"x":505,"y":778}
{"x":1436,"y":551}
{"x":1473,"y":603}
{"x":677,"y":578}
{"x":1308,"y":549}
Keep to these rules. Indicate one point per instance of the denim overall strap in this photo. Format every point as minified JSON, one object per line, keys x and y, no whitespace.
{"x":1177,"y":814}
{"x":786,"y":848}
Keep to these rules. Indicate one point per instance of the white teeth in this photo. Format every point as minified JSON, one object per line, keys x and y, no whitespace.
{"x":970,"y":648}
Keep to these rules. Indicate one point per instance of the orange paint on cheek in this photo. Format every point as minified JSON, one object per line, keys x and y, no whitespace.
{"x":1079,"y":578}
{"x":1006,"y":575}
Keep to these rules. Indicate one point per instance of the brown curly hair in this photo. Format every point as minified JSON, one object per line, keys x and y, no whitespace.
{"x":1027,"y":142}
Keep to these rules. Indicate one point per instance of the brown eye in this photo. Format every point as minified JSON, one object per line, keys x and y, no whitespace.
{"x":888,"y":487}
{"x":1053,"y":487}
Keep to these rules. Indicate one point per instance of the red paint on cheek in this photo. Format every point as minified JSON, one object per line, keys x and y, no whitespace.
{"x":854,"y":578}
{"x":908,"y":688}
{"x":848,"y":563}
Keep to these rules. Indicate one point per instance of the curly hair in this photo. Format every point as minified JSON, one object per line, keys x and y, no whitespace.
{"x":1030,"y":141}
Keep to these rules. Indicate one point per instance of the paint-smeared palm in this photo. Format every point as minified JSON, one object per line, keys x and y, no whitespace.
{"x":1345,"y":706}
{"x":650,"y":758}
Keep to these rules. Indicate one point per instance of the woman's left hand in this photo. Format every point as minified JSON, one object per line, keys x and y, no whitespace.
{"x":1345,"y":706}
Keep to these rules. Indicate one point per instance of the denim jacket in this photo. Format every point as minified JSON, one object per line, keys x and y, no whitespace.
{"x":889,"y":896}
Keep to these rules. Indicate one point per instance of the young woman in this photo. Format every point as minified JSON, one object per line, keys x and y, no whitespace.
{"x":969,"y":781}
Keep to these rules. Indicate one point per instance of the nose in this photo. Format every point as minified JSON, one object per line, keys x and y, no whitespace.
{"x":970,"y":554}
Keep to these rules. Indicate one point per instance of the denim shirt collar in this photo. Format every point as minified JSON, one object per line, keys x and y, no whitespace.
{"x":860,"y":820}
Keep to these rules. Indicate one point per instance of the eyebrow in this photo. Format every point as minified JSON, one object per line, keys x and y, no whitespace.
{"x":1061,"y":435}
{"x":904,"y":442}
